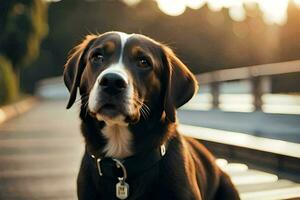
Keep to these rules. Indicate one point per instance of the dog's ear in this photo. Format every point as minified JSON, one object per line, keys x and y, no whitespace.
{"x":74,"y":67}
{"x":180,"y":83}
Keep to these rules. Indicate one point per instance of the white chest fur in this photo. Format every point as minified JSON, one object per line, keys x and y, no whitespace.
{"x":119,"y":140}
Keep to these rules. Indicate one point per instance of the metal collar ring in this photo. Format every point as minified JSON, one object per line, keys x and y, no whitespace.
{"x":119,"y":164}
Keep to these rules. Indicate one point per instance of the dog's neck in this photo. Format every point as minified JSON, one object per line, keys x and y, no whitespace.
{"x":120,"y":141}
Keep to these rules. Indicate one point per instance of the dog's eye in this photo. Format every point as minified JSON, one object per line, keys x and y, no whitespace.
{"x":144,"y":62}
{"x":97,"y":58}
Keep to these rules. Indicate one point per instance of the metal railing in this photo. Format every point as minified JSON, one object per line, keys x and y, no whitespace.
{"x":258,"y":75}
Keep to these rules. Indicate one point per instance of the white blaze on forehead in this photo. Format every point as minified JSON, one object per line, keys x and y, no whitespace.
{"x":124,"y":37}
{"x":118,"y":67}
{"x":115,"y":68}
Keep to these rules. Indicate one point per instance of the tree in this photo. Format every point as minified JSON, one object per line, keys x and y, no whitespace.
{"x":23,"y":26}
{"x":8,"y":88}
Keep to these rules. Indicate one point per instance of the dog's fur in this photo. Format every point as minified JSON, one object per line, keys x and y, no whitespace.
{"x":136,"y":114}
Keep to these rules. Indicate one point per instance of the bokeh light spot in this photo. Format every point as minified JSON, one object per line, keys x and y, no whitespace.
{"x":237,"y":13}
{"x":172,"y":7}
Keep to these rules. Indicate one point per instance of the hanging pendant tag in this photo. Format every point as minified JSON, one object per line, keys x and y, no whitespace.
{"x":122,"y":190}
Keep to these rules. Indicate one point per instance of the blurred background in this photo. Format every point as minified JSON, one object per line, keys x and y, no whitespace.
{"x":245,"y":54}
{"x":207,"y":35}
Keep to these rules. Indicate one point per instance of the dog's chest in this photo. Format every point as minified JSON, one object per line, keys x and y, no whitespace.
{"x":119,"y":140}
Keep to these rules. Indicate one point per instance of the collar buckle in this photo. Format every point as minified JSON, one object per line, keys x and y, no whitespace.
{"x":98,"y":163}
{"x":119,"y":164}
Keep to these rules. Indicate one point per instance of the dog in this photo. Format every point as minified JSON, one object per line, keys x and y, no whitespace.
{"x":130,"y":87}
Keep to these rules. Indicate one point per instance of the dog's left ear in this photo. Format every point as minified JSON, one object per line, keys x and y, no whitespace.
{"x":74,"y":67}
{"x":181,"y":84}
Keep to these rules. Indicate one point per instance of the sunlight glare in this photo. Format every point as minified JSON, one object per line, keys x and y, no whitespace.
{"x":232,"y":3}
{"x":297,"y":3}
{"x":237,"y":13}
{"x":131,"y":2}
{"x":195,"y":4}
{"x":172,"y":7}
{"x":274,"y":11}
{"x":215,"y":5}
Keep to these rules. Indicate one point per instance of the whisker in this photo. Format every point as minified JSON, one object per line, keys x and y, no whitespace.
{"x":146,"y":108}
{"x":139,"y":104}
{"x":143,"y":113}
{"x":146,"y":114}
{"x":83,"y":97}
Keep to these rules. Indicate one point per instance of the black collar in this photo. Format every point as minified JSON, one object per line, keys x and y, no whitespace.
{"x":132,"y":166}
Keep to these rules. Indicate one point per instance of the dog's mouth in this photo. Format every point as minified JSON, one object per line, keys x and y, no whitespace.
{"x":112,"y":112}
{"x":109,"y":110}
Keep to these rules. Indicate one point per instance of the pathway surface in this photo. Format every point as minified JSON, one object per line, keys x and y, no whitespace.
{"x":40,"y":154}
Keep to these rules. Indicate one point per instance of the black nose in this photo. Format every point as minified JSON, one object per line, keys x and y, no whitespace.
{"x":112,"y":83}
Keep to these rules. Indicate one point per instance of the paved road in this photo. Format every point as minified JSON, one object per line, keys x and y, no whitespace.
{"x":40,"y":153}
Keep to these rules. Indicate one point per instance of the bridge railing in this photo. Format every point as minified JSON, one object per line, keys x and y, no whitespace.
{"x":258,"y":75}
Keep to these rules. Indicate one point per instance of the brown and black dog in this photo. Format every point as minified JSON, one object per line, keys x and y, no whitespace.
{"x":130,"y":87}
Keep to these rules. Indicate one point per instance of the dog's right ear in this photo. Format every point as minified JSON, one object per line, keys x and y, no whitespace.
{"x":74,"y":67}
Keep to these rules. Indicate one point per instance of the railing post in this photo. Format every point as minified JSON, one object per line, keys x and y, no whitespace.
{"x":257,"y":93}
{"x":260,"y":86}
{"x":215,"y":92}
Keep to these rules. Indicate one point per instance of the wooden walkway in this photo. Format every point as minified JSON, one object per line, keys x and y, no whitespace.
{"x":40,"y":154}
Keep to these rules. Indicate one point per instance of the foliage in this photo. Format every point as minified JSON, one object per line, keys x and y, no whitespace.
{"x":8,"y":83}
{"x":23,"y":25}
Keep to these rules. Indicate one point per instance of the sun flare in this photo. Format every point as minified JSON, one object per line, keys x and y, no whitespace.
{"x":273,"y":12}
{"x":172,"y":7}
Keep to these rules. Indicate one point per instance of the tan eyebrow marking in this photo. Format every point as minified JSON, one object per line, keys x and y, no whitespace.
{"x":109,"y":47}
{"x":136,"y":50}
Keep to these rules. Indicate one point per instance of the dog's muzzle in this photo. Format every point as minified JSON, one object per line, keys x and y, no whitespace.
{"x":111,"y":96}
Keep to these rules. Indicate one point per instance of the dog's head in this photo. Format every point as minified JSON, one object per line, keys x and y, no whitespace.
{"x":123,"y":77}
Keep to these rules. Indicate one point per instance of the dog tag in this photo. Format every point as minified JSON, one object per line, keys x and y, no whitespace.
{"x":122,"y":190}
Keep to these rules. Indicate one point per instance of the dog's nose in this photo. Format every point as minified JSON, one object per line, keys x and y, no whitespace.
{"x":112,"y":83}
